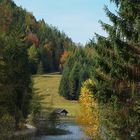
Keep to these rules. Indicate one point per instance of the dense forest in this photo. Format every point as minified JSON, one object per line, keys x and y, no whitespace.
{"x":104,"y":75}
{"x":27,"y":47}
{"x":78,"y":68}
{"x":113,"y":64}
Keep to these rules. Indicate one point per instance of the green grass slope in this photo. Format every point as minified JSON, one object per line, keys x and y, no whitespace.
{"x":46,"y":86}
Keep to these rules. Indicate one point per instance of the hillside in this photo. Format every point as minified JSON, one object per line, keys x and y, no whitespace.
{"x":46,"y":86}
{"x":45,"y":43}
{"x":100,"y":82}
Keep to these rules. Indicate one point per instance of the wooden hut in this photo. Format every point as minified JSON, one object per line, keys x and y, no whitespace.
{"x":61,"y":111}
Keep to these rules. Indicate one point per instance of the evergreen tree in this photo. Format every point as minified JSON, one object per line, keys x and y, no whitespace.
{"x":18,"y":76}
{"x":64,"y":84}
{"x":40,"y":68}
{"x":23,"y":42}
{"x":117,"y":70}
{"x":33,"y":59}
{"x":74,"y":81}
{"x":77,"y":69}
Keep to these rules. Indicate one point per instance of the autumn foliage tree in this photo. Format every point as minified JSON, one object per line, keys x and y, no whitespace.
{"x":88,"y":115}
{"x":63,"y":59}
{"x":53,"y":45}
{"x":33,"y":38}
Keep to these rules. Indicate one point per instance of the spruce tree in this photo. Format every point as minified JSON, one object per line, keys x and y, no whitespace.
{"x":33,"y":59}
{"x":117,"y":70}
{"x":18,"y":77}
{"x":77,"y":69}
{"x":64,"y":84}
{"x":15,"y":90}
{"x":74,"y":81}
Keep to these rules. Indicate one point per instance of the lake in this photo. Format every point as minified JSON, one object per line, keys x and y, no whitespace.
{"x":75,"y":133}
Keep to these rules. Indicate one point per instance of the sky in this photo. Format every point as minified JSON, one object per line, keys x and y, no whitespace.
{"x":77,"y":18}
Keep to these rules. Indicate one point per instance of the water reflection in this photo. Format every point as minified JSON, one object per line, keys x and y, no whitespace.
{"x":73,"y":128}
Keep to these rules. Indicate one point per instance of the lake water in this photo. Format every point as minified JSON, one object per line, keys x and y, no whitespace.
{"x":75,"y":133}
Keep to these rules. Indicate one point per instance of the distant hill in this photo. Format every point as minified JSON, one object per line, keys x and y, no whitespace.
{"x":45,"y":43}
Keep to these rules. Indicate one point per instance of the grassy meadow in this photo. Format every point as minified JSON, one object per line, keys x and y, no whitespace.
{"x":46,"y":87}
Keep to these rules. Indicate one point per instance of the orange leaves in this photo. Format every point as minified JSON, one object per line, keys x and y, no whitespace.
{"x":48,"y":48}
{"x":89,"y":115}
{"x":63,"y":59}
{"x":33,"y":38}
{"x":64,"y":56}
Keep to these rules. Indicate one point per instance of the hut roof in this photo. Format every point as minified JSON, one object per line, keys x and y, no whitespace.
{"x":60,"y":110}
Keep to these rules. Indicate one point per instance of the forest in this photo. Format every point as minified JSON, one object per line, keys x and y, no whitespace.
{"x":103,"y":76}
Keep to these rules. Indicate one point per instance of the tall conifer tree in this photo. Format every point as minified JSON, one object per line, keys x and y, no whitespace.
{"x":117,"y":69}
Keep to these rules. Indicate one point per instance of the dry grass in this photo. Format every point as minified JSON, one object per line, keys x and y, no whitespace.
{"x":47,"y":87}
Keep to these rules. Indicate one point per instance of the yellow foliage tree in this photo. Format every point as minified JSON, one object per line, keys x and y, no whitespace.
{"x":88,"y":116}
{"x":63,"y":59}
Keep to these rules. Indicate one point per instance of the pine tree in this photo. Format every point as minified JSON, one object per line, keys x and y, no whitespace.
{"x":117,"y":69}
{"x":74,"y":81}
{"x":15,"y":93}
{"x":77,"y":69}
{"x":64,"y":84}
{"x":18,"y":77}
{"x":33,"y":59}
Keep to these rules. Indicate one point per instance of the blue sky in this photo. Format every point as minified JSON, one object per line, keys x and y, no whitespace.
{"x":77,"y":18}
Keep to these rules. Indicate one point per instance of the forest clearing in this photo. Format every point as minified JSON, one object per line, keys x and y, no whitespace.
{"x":47,"y":86}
